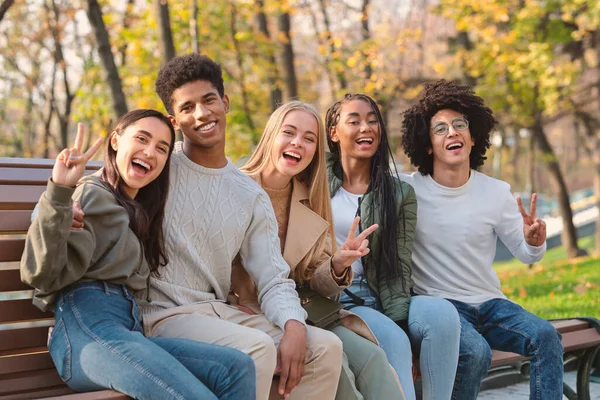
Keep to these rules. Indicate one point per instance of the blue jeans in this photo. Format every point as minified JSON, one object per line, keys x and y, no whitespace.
{"x":98,"y":343}
{"x":500,"y":324}
{"x":434,"y":330}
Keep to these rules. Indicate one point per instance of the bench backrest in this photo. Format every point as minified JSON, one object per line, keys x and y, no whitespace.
{"x":24,"y":360}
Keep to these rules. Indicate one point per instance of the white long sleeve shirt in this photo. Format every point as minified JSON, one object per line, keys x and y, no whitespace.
{"x":456,"y":234}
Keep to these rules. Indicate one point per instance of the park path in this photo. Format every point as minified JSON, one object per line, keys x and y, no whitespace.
{"x":520,"y":391}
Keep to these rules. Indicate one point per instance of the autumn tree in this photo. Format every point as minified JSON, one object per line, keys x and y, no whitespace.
{"x":517,"y":67}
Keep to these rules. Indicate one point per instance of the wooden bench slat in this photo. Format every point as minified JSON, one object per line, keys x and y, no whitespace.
{"x":23,"y":338}
{"x":25,"y":176}
{"x":16,"y":162}
{"x":21,"y":310}
{"x":22,"y":381}
{"x":581,"y":339}
{"x":501,"y":358}
{"x":571,"y":340}
{"x":570,"y":325}
{"x":101,"y":395}
{"x":44,"y":393}
{"x":30,"y":176}
{"x":14,"y":221}
{"x":10,"y":280}
{"x":17,"y":197}
{"x":11,"y":249}
{"x":33,"y":360}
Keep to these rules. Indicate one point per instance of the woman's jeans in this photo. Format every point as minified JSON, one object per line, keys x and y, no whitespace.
{"x":434,"y":329}
{"x":98,"y":343}
{"x":503,"y":325}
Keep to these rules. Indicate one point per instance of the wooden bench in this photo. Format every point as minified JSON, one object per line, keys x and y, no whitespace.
{"x":581,"y":342}
{"x":26,"y":369}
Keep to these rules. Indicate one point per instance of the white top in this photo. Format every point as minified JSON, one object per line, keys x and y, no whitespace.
{"x":211,"y":215}
{"x":456,"y":234}
{"x":344,"y":206}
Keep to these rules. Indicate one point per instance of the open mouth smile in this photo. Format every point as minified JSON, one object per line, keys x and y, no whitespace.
{"x":140,"y":167}
{"x":205,"y":127}
{"x":292,"y":157}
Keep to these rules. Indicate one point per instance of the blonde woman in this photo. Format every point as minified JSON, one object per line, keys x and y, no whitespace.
{"x":289,"y":164}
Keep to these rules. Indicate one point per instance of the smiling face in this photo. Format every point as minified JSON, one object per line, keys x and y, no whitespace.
{"x":357,"y":131}
{"x":199,"y":112}
{"x":295,"y":144}
{"x":142,"y":152}
{"x":453,"y":148}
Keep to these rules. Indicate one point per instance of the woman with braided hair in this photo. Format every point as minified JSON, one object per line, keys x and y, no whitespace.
{"x":362,"y":184}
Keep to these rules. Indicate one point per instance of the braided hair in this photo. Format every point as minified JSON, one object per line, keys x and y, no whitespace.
{"x":381,"y":185}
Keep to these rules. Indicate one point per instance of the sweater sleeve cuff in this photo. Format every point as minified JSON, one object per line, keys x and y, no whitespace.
{"x":284,"y":316}
{"x":58,"y":194}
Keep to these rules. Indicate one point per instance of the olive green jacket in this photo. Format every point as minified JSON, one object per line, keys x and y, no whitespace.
{"x":394,"y":298}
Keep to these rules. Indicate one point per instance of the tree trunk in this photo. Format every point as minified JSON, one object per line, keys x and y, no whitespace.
{"x":366,"y":35}
{"x":569,"y":235}
{"x":240,"y":64}
{"x":462,"y":38}
{"x":327,"y":62}
{"x":194,"y":36}
{"x":6,"y":4}
{"x":339,"y":70}
{"x":272,"y":69}
{"x":94,"y":13}
{"x":63,"y":117}
{"x":287,"y":53}
{"x":165,"y":36}
{"x":126,"y":23}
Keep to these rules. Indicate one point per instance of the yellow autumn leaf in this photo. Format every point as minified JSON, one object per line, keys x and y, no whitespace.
{"x":439,"y":67}
{"x":351,"y":62}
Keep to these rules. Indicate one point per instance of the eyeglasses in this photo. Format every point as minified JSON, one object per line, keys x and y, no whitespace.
{"x":459,"y":124}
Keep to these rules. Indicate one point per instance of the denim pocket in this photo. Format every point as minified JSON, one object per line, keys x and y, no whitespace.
{"x":60,"y":350}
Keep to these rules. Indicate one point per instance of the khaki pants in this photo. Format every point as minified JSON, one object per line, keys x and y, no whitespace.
{"x":219,"y":323}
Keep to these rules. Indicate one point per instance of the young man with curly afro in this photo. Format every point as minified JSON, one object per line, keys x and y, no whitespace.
{"x":461,"y":213}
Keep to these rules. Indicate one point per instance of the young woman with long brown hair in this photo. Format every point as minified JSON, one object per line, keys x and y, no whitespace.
{"x":91,"y":277}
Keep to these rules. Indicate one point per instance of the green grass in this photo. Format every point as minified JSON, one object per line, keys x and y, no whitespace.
{"x":556,"y":254}
{"x":554,"y":287}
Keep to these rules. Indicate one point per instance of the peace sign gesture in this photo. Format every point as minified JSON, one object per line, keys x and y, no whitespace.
{"x":534,"y":229}
{"x":70,"y":163}
{"x":353,"y":248}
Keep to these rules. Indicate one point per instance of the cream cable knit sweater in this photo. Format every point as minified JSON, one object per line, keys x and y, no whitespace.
{"x":211,"y":215}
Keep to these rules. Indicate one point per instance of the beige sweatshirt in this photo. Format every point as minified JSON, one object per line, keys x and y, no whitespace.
{"x":105,"y":250}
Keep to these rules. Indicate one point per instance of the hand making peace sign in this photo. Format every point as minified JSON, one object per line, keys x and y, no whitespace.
{"x":534,"y":229}
{"x":70,"y":163}
{"x":353,"y":248}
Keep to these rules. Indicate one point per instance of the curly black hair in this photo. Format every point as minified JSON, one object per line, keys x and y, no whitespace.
{"x":184,"y":69}
{"x":438,"y":96}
